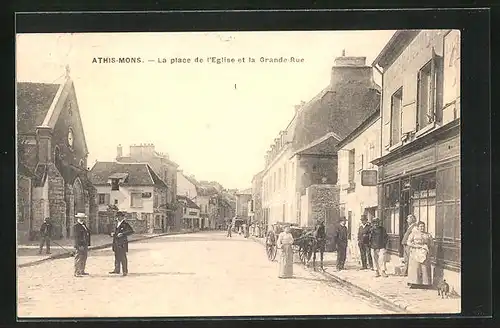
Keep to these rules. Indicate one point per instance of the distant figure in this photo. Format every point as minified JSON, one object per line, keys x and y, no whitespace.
{"x":45,"y":235}
{"x":120,"y":243}
{"x":82,"y":243}
{"x":341,"y":239}
{"x":229,"y":231}
{"x":285,"y":241}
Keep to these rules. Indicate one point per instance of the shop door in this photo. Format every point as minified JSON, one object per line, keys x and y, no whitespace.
{"x":405,"y":211}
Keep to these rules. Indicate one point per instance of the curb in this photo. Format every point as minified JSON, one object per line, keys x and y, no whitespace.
{"x":393,"y":305}
{"x":93,"y":248}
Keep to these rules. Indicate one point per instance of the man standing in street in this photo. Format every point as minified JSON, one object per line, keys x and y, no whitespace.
{"x":364,"y":244}
{"x":378,"y":243}
{"x":120,"y":243}
{"x":82,"y":243}
{"x":45,"y":235}
{"x":229,"y":228}
{"x":411,"y":220}
{"x":341,"y":239}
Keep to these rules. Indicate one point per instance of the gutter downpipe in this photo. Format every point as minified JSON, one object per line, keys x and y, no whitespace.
{"x":374,"y":65}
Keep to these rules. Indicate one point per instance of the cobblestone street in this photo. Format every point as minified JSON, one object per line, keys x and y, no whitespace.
{"x":202,"y":274}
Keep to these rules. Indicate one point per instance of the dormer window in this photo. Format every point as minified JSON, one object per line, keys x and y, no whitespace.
{"x":116,"y":179}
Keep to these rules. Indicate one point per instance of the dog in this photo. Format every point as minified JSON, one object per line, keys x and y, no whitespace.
{"x":443,"y":289}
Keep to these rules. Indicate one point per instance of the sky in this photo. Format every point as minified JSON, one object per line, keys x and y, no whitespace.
{"x":216,"y":121}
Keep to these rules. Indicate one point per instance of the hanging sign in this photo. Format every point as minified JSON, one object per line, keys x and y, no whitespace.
{"x":369,"y":178}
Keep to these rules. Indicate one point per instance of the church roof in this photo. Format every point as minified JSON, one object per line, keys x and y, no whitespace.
{"x":136,"y":174}
{"x":33,"y":103}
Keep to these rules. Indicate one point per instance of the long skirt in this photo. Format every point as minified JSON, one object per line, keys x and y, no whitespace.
{"x":419,"y":273}
{"x":286,"y":262}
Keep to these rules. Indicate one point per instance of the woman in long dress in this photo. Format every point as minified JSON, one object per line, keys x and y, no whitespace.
{"x":285,"y":241}
{"x":419,"y":264}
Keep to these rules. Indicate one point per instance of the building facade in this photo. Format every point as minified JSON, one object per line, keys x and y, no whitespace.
{"x":357,"y":177}
{"x":243,"y":199}
{"x":419,"y":167}
{"x":188,"y":213}
{"x":164,"y":168}
{"x":52,"y":159}
{"x":256,"y":214}
{"x":301,"y":165}
{"x":186,"y":185}
{"x":133,"y":188}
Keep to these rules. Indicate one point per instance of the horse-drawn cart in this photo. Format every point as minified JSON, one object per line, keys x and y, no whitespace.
{"x":302,"y":244}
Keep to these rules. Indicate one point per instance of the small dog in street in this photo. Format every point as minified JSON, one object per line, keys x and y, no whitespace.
{"x":443,"y":289}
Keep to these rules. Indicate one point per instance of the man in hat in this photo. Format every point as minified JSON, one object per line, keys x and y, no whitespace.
{"x":45,"y":235}
{"x":341,"y":239}
{"x":364,"y":243}
{"x":378,"y":242}
{"x":82,"y":243}
{"x":120,"y":243}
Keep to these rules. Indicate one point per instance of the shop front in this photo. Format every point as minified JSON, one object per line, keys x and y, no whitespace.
{"x":423,"y":178}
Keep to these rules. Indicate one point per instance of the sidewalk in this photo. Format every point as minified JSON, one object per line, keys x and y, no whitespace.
{"x":27,"y":255}
{"x":392,"y":289}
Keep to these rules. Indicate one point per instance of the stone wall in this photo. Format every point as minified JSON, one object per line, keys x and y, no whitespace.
{"x":324,"y":204}
{"x":314,"y":169}
{"x":23,"y":208}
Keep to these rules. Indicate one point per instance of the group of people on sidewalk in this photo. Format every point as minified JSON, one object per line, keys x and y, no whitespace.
{"x":417,"y":244}
{"x":372,"y":243}
{"x":120,"y":244}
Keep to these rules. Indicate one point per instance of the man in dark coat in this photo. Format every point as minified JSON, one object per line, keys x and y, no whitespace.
{"x":341,"y":239}
{"x":45,"y":235}
{"x":120,"y":243}
{"x":364,"y":244}
{"x":378,"y":244}
{"x":82,"y":243}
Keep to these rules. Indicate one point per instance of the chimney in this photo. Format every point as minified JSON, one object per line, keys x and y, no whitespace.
{"x":351,"y":69}
{"x":119,"y":151}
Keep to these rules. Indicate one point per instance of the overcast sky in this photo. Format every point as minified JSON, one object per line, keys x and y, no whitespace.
{"x":215,"y":120}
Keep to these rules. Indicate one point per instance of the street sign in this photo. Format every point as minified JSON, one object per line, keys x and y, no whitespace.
{"x":369,"y":177}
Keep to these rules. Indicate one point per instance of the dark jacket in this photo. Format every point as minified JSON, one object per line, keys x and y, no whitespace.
{"x":341,"y":237}
{"x":319,"y":232}
{"x":46,"y":229}
{"x":82,"y":235}
{"x":122,"y":242}
{"x":378,"y":238}
{"x":364,"y":234}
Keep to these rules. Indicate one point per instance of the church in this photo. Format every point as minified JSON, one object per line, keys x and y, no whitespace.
{"x":52,"y":156}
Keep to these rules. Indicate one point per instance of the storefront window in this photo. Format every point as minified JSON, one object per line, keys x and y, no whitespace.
{"x":423,"y":200}
{"x":391,"y":207}
{"x":448,"y":203}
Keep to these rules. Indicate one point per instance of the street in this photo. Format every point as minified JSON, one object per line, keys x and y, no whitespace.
{"x":201,"y":274}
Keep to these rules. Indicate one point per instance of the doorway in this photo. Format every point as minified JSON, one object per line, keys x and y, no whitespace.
{"x":404,"y":212}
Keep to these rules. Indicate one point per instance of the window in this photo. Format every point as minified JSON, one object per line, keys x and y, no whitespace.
{"x":427,"y":92}
{"x":103,"y":199}
{"x":284,"y":176}
{"x":114,"y":184}
{"x":448,"y":203}
{"x":391,"y":207}
{"x":136,"y":199}
{"x":279,"y":178}
{"x":352,"y":165}
{"x":396,"y":106}
{"x":423,"y":200}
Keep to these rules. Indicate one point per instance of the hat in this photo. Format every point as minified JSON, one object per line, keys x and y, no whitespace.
{"x":120,"y":214}
{"x":80,"y":215}
{"x":375,"y":220}
{"x":364,"y":218}
{"x":342,"y":219}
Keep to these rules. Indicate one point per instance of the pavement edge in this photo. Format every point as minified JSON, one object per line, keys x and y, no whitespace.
{"x":393,"y":305}
{"x":93,"y":248}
